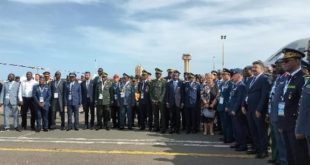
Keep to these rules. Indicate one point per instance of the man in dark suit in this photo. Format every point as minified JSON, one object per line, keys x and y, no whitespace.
{"x":144,"y":100}
{"x":58,"y":99}
{"x":257,"y":101}
{"x":0,"y":87}
{"x":73,"y":101}
{"x":297,"y":152}
{"x":87,"y":100}
{"x":41,"y":96}
{"x":174,"y":101}
{"x":115,"y":105}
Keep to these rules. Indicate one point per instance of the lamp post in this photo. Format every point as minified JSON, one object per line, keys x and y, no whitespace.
{"x":223,"y":37}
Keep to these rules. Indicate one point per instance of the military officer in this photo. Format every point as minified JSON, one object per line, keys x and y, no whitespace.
{"x":41,"y":96}
{"x":144,"y":101}
{"x":96,"y":80}
{"x":237,"y":95}
{"x":192,"y":104}
{"x":302,"y":129}
{"x":226,"y":121}
{"x":115,"y":101}
{"x":288,"y":107}
{"x":157,"y":93}
{"x":126,"y":96}
{"x":102,"y":101}
{"x":73,"y":100}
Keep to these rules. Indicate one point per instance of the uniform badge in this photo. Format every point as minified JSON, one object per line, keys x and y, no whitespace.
{"x":290,"y":96}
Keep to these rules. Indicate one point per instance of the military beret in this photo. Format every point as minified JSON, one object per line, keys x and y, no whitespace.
{"x":125,"y":75}
{"x":236,"y":71}
{"x":149,"y":73}
{"x":176,"y":71}
{"x":157,"y":70}
{"x":292,"y":53}
{"x":227,"y":71}
{"x":72,"y":75}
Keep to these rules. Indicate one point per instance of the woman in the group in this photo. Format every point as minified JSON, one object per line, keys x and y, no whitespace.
{"x":209,"y":96}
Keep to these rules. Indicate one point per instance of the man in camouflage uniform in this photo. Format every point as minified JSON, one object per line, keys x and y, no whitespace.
{"x":102,"y":101}
{"x":157,"y":93}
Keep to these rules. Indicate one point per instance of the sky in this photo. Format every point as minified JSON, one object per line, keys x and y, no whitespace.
{"x":117,"y":35}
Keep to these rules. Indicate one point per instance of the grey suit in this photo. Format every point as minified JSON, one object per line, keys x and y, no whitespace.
{"x":9,"y":98}
{"x":57,"y":102}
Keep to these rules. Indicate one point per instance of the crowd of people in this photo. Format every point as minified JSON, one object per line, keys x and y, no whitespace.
{"x":240,"y":104}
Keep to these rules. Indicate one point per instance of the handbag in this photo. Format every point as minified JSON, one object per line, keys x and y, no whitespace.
{"x":208,"y":113}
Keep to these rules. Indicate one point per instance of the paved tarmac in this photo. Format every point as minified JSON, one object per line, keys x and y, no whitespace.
{"x":116,"y":147}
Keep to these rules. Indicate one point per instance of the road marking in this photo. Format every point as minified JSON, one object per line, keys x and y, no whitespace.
{"x":27,"y":134}
{"x":124,"y":152}
{"x":114,"y":141}
{"x":117,"y":140}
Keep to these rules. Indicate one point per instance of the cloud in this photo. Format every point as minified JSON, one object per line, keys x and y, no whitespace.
{"x":41,"y":2}
{"x":156,"y":33}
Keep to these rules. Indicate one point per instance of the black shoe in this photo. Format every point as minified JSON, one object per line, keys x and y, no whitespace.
{"x":17,"y":129}
{"x":261,"y":155}
{"x":62,"y":128}
{"x":270,"y":161}
{"x":45,"y":130}
{"x":251,"y":152}
{"x":177,"y":132}
{"x":234,"y":146}
{"x":163,"y":131}
{"x":130,"y":128}
{"x":150,"y":129}
{"x":188,"y":132}
{"x":241,"y":149}
{"x":33,"y":129}
{"x":142,"y":128}
{"x":38,"y":130}
{"x":69,"y":129}
{"x":86,"y":127}
{"x":91,"y":128}
{"x":171,"y":131}
{"x":121,"y":128}
{"x":76,"y":129}
{"x":107,"y":128}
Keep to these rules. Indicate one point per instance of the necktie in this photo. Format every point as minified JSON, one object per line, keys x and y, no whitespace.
{"x":252,"y":82}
